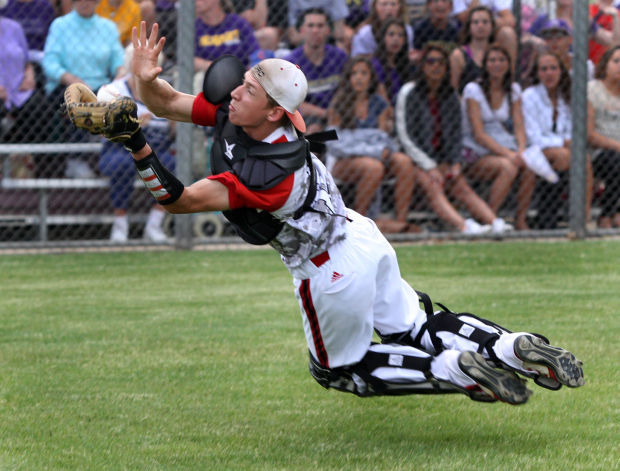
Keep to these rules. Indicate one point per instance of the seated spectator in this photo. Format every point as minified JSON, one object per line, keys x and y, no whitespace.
{"x":494,"y":135}
{"x":558,"y":39}
{"x":322,"y":63}
{"x":436,"y":26}
{"x":253,"y":11}
{"x":414,"y":10}
{"x":99,"y":57}
{"x":218,"y":32}
{"x":476,"y":36}
{"x":257,"y":13}
{"x":22,"y":102}
{"x":97,"y":61}
{"x":505,"y":33}
{"x":429,"y":129}
{"x":35,"y":17}
{"x":604,"y":28}
{"x":116,"y":163}
{"x":164,"y":13}
{"x":368,"y":35}
{"x":547,"y":115}
{"x":365,"y":152}
{"x":336,"y":9}
{"x":604,"y":133}
{"x":358,"y":12}
{"x":125,"y":14}
{"x":391,"y":58}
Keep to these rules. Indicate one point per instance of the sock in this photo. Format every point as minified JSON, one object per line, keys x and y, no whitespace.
{"x":445,"y":367}
{"x":121,"y":222}
{"x":504,"y":348}
{"x":155,"y":218}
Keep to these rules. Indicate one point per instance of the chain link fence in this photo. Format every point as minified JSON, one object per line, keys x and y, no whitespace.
{"x":452,"y":119}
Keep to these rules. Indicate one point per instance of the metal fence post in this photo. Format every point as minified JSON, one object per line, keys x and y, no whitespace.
{"x":185,"y":64}
{"x":577,"y":197}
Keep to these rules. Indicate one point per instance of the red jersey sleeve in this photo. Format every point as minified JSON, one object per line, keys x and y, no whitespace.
{"x":203,"y":112}
{"x":240,"y":196}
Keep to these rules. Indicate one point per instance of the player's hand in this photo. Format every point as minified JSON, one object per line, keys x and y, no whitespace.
{"x":144,"y":64}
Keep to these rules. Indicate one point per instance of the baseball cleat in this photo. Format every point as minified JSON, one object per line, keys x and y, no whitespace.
{"x":550,"y":362}
{"x":502,"y":385}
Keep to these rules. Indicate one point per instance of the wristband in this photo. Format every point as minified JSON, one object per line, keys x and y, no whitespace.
{"x":163,"y":185}
{"x":136,"y":142}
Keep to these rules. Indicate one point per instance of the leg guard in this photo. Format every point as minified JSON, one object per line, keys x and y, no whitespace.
{"x":442,"y":328}
{"x":385,"y":370}
{"x":463,"y":331}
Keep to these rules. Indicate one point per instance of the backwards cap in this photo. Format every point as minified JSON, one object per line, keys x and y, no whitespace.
{"x":286,"y":84}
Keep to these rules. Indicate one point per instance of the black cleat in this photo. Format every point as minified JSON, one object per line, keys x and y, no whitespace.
{"x":502,"y":385}
{"x":552,"y":363}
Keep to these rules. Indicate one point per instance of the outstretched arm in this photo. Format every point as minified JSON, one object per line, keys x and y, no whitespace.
{"x":157,"y":94}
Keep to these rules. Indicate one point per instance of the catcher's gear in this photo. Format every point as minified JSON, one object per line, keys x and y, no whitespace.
{"x":223,"y":75}
{"x":116,"y":120}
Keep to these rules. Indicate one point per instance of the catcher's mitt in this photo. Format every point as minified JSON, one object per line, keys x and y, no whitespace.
{"x":116,"y":120}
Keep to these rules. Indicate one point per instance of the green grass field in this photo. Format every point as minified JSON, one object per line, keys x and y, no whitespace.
{"x":197,"y":361}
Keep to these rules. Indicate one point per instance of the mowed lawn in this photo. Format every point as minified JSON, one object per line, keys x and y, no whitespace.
{"x":197,"y":361}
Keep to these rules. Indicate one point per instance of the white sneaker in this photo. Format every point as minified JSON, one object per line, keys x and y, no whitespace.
{"x":499,"y":226}
{"x":77,"y":168}
{"x":120,"y":231}
{"x":473,"y":228}
{"x":154,"y":233}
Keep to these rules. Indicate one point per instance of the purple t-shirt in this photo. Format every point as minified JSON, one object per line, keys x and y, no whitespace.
{"x":233,"y":36}
{"x":382,"y":75}
{"x":35,"y":17}
{"x":13,"y":57}
{"x":322,"y":79}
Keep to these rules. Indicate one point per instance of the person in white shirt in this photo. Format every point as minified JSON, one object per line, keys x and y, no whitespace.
{"x":493,"y":134}
{"x":547,"y":115}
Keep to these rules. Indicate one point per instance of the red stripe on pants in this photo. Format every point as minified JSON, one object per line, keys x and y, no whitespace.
{"x":319,"y":346}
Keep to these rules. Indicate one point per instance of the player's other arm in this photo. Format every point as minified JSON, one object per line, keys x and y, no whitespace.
{"x":157,"y":94}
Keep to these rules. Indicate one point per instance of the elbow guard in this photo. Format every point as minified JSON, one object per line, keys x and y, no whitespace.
{"x":163,"y":185}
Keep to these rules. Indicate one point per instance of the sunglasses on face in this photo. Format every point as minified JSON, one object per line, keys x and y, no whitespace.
{"x":435,"y":60}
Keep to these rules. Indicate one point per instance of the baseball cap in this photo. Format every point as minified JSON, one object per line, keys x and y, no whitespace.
{"x":555,"y":26}
{"x":286,"y":84}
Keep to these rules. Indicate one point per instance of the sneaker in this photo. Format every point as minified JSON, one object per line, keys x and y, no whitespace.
{"x":503,"y":385}
{"x":473,"y":228}
{"x":120,"y":231}
{"x":154,"y":233}
{"x":550,"y":362}
{"x":499,"y":226}
{"x":77,"y":168}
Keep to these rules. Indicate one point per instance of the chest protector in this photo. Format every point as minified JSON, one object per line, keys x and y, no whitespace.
{"x":259,"y":166}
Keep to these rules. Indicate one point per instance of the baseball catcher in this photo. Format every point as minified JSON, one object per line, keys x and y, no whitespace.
{"x":274,"y":191}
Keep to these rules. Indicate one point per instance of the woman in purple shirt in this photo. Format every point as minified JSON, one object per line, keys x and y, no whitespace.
{"x":391,"y":58}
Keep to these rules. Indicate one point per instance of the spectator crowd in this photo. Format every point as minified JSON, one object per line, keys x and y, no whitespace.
{"x":440,"y":105}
